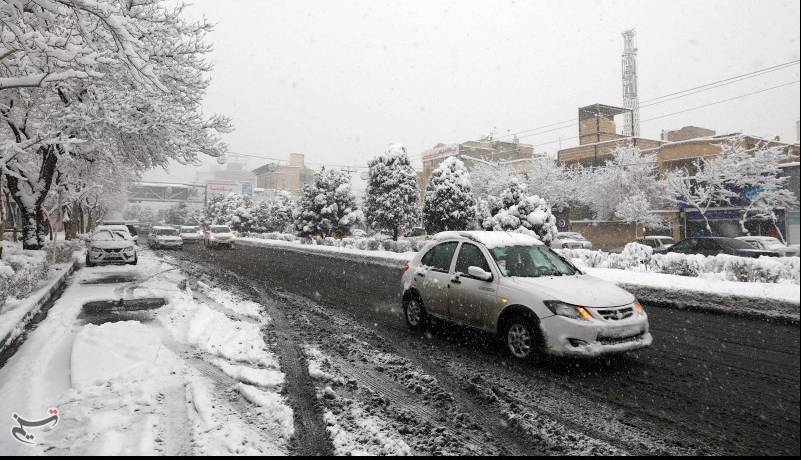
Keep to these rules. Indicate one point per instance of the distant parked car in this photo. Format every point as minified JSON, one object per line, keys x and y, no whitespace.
{"x":129,"y":226}
{"x":119,"y":228}
{"x":165,"y":237}
{"x":659,"y":243}
{"x":219,"y":235}
{"x":713,"y":246}
{"x":107,"y":246}
{"x":191,"y":234}
{"x":572,"y":240}
{"x":770,"y":243}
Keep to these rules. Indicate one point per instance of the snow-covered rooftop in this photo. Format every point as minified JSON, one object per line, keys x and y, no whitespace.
{"x":492,"y":239}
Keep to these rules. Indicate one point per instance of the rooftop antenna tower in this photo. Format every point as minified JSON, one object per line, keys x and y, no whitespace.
{"x":631,"y":100}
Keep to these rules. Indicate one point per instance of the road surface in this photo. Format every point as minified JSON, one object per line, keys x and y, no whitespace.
{"x":711,"y":384}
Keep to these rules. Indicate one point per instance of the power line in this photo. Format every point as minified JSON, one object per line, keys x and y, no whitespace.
{"x":659,"y":99}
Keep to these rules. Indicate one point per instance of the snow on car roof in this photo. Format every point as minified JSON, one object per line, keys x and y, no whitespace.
{"x":757,"y":238}
{"x":493,"y":239}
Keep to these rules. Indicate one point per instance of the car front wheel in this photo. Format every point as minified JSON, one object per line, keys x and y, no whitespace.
{"x":415,"y":314}
{"x":522,"y":339}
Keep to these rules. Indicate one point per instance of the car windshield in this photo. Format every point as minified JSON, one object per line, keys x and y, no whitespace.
{"x":109,"y":235}
{"x":189,"y":229}
{"x":570,"y":235}
{"x":166,"y":231}
{"x":530,"y":262}
{"x":220,"y":230}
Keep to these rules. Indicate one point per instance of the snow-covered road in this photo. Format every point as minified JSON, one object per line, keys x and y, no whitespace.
{"x":194,"y":376}
{"x":702,"y":388}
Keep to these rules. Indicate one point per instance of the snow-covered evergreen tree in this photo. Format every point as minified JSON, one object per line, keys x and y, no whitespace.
{"x":276,"y":215}
{"x":327,"y":207}
{"x":392,"y":194}
{"x":517,"y":211}
{"x":449,"y":202}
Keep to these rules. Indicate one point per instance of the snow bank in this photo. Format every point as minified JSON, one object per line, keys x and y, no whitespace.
{"x":785,"y":292}
{"x":639,"y":258}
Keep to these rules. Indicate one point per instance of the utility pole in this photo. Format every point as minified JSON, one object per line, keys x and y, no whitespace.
{"x":631,"y":99}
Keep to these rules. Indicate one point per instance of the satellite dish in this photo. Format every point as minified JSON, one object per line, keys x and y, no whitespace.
{"x":221,"y":159}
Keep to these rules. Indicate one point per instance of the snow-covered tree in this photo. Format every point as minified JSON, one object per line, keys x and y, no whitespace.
{"x":711,"y":185}
{"x":139,"y":213}
{"x":276,"y":215}
{"x":636,"y":209}
{"x":756,"y":175}
{"x":517,"y":211}
{"x":391,"y":200}
{"x":490,"y":179}
{"x":178,"y":214}
{"x":604,"y":188}
{"x":83,"y":80}
{"x":449,"y":202}
{"x":327,"y":206}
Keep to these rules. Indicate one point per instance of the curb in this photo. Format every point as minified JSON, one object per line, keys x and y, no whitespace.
{"x":309,"y":249}
{"x":46,"y":295}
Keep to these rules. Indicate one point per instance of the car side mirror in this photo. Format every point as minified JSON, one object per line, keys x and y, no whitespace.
{"x":479,"y":273}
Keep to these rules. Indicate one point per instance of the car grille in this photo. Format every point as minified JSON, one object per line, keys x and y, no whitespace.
{"x":619,"y":340}
{"x":113,"y":251}
{"x":617,"y":314}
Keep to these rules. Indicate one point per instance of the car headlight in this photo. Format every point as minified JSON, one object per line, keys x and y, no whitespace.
{"x":638,"y":307}
{"x":567,"y":310}
{"x":129,"y":249}
{"x":97,"y":250}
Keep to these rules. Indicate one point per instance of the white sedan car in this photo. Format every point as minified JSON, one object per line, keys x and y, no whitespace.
{"x":513,"y":286}
{"x":219,"y":235}
{"x":165,"y":237}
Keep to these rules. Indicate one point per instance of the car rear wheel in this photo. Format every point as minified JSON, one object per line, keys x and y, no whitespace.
{"x":522,"y":338}
{"x":415,"y":313}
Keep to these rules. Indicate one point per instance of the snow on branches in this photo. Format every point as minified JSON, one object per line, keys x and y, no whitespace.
{"x":84,"y":81}
{"x":514,"y":210}
{"x":449,"y":202}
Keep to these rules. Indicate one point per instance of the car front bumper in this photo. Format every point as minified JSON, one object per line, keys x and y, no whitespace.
{"x":579,"y":338}
{"x":111,"y":256}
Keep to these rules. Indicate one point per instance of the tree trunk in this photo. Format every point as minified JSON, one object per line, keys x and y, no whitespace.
{"x":33,"y":215}
{"x":395,"y":234}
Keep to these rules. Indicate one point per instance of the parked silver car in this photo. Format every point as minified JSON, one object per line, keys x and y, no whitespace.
{"x":513,"y":286}
{"x":110,"y":247}
{"x":572,"y":240}
{"x":770,"y":243}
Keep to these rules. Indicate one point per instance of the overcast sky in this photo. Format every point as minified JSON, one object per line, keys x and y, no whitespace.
{"x":339,"y":80}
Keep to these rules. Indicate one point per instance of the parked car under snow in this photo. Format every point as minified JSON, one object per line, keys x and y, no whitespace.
{"x":110,"y":247}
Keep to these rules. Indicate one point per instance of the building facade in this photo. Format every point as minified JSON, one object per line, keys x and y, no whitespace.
{"x":472,"y":152}
{"x":289,"y":177}
{"x":598,"y":136}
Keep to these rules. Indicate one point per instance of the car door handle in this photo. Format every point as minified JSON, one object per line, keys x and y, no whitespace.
{"x":420,"y":275}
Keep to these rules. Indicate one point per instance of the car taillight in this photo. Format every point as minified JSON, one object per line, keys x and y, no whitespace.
{"x":405,"y":267}
{"x":564,"y":246}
